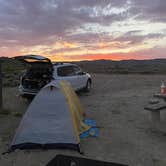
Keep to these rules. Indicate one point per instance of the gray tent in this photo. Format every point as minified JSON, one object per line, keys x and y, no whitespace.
{"x":49,"y":122}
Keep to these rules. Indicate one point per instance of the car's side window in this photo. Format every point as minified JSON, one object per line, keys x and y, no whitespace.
{"x":77,"y":69}
{"x":66,"y":71}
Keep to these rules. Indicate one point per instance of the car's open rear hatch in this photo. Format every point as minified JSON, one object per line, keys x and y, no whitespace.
{"x":33,"y":59}
{"x":39,"y":72}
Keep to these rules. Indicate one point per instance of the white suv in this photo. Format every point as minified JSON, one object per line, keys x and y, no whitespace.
{"x":41,"y":71}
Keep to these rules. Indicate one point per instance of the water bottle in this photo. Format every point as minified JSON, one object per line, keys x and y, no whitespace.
{"x":163,"y":88}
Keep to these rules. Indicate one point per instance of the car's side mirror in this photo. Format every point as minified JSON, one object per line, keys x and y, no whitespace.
{"x":81,"y":73}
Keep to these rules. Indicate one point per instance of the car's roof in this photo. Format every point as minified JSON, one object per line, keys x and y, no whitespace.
{"x":59,"y":64}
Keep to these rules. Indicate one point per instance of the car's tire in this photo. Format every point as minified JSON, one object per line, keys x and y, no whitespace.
{"x":88,"y":86}
{"x":28,"y":98}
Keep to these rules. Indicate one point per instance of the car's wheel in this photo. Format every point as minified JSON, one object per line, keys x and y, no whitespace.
{"x":28,"y":98}
{"x":88,"y":86}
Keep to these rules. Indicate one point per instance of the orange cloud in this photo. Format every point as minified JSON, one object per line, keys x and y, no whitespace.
{"x":94,"y":57}
{"x":103,"y":45}
{"x":69,"y":45}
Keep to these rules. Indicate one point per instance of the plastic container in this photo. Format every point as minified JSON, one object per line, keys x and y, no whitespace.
{"x":163,"y":88}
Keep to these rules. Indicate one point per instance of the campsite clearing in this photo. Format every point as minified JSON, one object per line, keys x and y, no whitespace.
{"x":117,"y":103}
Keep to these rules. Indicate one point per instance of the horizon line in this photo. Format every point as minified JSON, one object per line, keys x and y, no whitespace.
{"x":102,"y":59}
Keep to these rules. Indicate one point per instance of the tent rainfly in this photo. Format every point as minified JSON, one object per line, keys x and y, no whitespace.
{"x":54,"y":119}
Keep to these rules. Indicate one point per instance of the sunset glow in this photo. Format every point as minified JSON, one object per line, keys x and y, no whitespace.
{"x":73,"y":30}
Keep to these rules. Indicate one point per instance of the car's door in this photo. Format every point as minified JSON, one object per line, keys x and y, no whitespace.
{"x":68,"y":73}
{"x":81,"y":77}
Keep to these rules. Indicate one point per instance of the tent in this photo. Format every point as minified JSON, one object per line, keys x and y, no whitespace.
{"x":54,"y":119}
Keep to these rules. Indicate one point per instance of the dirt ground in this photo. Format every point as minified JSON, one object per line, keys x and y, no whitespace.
{"x":117,"y":103}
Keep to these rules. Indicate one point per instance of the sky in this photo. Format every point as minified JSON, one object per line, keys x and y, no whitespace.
{"x":73,"y":30}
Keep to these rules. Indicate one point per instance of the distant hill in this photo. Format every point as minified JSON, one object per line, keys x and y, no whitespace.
{"x":12,"y":69}
{"x":10,"y":65}
{"x":154,"y":66}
